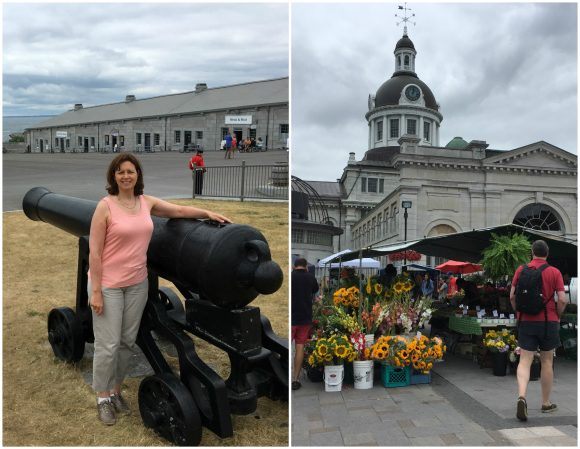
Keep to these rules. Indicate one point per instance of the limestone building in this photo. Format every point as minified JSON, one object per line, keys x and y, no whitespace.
{"x":452,"y":188}
{"x":171,"y":122}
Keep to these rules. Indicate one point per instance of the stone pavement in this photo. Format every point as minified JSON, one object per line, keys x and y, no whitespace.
{"x":463,"y":406}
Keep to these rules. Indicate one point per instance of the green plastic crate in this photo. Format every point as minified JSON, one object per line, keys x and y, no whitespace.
{"x":395,"y":377}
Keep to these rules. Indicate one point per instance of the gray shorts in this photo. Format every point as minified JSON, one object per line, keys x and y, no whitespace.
{"x":532,"y":335}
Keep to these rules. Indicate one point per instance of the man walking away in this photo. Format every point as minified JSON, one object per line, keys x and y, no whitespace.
{"x":532,"y":296}
{"x":228,"y":140}
{"x":304,"y":287}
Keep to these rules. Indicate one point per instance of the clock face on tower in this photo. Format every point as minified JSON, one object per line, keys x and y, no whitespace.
{"x":412,"y":93}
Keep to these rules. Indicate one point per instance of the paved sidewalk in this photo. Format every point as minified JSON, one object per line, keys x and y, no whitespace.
{"x":463,"y":406}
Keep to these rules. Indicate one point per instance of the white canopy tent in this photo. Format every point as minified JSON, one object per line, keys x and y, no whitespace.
{"x":355,"y":263}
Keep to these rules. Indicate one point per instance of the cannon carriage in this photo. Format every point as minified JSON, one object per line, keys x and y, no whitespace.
{"x":219,"y":269}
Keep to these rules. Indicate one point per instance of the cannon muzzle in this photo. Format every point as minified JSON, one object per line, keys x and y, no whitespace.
{"x":228,"y":265}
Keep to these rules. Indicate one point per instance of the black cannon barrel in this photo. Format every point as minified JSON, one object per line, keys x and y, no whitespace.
{"x":228,"y":265}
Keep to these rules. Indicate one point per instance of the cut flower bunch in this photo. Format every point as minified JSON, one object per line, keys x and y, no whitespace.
{"x":500,"y":341}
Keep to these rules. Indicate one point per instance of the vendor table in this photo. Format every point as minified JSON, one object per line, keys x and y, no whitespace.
{"x":469,"y":326}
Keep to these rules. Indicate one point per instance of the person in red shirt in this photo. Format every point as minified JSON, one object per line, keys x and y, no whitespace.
{"x":535,"y":333}
{"x":197,"y":163}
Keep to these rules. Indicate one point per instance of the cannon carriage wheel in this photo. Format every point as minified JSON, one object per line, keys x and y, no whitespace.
{"x":65,"y":335}
{"x":168,"y":408}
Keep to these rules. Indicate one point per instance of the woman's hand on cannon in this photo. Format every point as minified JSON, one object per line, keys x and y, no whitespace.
{"x":97,"y":303}
{"x":214,"y":216}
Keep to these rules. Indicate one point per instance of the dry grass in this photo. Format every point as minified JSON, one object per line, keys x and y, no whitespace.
{"x":46,"y":402}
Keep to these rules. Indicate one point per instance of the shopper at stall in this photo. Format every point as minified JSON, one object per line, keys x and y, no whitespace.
{"x":427,"y":287}
{"x":540,"y":330}
{"x":304,"y":287}
{"x":471,"y":297}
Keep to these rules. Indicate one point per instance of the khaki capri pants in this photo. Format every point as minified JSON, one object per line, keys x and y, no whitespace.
{"x":115,"y":333}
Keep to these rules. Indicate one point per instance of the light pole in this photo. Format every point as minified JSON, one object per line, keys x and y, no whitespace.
{"x":406,"y":205}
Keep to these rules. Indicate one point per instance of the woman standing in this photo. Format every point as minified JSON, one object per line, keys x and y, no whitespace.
{"x":121,"y":229}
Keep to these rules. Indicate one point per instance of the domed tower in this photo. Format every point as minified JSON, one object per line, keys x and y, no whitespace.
{"x":403,"y":104}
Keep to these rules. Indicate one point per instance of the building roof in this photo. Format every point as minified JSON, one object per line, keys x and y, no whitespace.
{"x":327,"y":189}
{"x":457,"y":143}
{"x":253,"y":94}
{"x":382,"y":154}
{"x":404,"y":42}
{"x":390,"y":92}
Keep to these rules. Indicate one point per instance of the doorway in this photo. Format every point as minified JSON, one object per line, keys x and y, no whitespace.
{"x":86,"y":145}
{"x":186,"y":140}
{"x":41,"y":146}
{"x":147,"y":146}
{"x":238,"y":134}
{"x":61,"y":145}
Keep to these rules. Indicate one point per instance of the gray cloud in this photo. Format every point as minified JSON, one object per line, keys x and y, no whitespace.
{"x":504,"y":73}
{"x":59,"y":54}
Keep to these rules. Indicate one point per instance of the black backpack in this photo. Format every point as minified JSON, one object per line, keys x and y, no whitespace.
{"x":529,"y":298}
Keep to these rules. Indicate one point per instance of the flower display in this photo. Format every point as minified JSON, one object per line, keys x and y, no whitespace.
{"x":424,"y":352}
{"x":358,"y":341}
{"x":347,"y":297}
{"x":334,"y":350}
{"x":499,"y":341}
{"x":391,"y":349}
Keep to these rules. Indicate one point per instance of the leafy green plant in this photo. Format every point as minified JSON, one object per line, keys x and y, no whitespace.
{"x":505,"y":254}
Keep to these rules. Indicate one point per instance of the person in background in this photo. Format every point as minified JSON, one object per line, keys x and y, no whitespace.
{"x":471,"y":298}
{"x":234,"y":145}
{"x":304,"y":287}
{"x":539,"y":331}
{"x":197,"y":163}
{"x":228,"y":140}
{"x":427,"y":286}
{"x":443,"y":288}
{"x":119,"y":237}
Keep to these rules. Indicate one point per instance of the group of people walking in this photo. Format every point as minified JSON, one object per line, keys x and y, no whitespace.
{"x":231,"y":143}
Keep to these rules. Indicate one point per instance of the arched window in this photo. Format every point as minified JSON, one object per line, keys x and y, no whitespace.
{"x":539,"y":216}
{"x":398,"y":61}
{"x":406,"y":61}
{"x":441,"y":229}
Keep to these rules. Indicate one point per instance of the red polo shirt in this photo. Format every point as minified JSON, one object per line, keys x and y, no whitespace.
{"x":552,"y":282}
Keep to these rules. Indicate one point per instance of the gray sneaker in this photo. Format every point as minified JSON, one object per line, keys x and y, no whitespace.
{"x":120,"y":404}
{"x":106,"y":412}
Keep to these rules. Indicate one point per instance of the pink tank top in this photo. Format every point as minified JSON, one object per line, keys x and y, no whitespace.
{"x":124,"y":256}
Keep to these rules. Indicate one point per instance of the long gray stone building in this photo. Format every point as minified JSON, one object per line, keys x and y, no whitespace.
{"x":455,"y":187}
{"x":171,"y":122}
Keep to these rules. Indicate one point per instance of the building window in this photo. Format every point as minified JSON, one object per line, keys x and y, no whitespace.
{"x":297,"y":235}
{"x":284,"y":128}
{"x":155,"y":139}
{"x":199,"y":135}
{"x":138,"y":139}
{"x":372,"y":185}
{"x":177,"y":138}
{"x":381,"y":185}
{"x":56,"y":141}
{"x":406,"y":61}
{"x":68,"y":143}
{"x":121,"y":141}
{"x":427,"y":131}
{"x":379,"y":130}
{"x":412,"y":126}
{"x":318,"y":238}
{"x":80,"y":141}
{"x":252,"y":133}
{"x":539,"y":216}
{"x":399,"y":62}
{"x":92,"y":141}
{"x":106,"y":139}
{"x":363,"y":184}
{"x":394,"y":128}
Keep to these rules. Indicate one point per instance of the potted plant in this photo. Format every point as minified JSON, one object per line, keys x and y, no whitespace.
{"x":499,"y":343}
{"x":363,"y":372}
{"x":505,"y":254}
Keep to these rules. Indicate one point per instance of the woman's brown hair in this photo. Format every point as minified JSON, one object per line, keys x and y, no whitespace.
{"x":115,"y":164}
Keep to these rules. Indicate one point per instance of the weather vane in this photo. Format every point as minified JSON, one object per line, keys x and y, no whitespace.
{"x":405,"y":18}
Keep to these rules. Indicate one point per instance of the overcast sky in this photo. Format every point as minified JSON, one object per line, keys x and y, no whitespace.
{"x":503,"y":73}
{"x":56,"y":55}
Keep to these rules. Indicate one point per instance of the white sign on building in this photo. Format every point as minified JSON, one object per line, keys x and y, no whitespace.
{"x":238,"y":120}
{"x":61,"y":134}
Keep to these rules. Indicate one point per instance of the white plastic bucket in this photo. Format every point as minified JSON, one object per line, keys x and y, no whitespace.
{"x":333,"y":377}
{"x":363,"y":374}
{"x":369,"y":340}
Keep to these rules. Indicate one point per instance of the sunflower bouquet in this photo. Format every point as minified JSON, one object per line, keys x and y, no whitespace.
{"x":499,"y":341}
{"x":391,"y":349}
{"x":424,"y":351}
{"x":347,"y":297}
{"x":334,"y":350}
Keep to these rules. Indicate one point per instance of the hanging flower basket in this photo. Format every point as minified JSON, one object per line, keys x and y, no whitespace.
{"x":410,"y":255}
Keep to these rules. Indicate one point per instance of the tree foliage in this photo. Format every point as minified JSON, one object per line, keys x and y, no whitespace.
{"x":505,"y":254}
